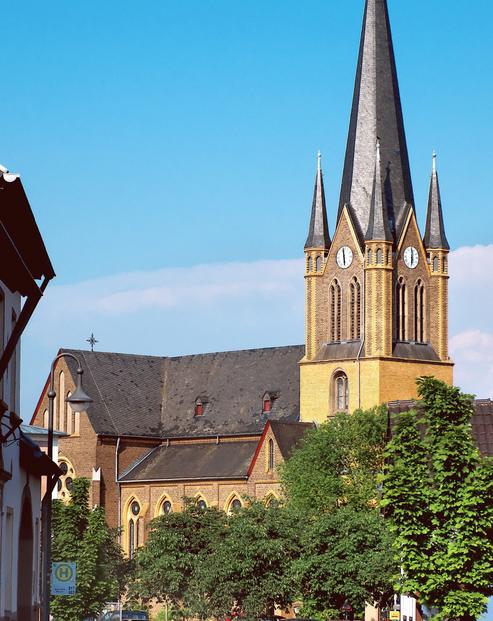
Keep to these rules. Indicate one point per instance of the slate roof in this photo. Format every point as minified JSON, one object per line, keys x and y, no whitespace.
{"x":482,"y":421}
{"x":435,"y":237}
{"x":376,"y":113}
{"x":318,"y":233}
{"x":349,"y":351}
{"x":185,"y":462}
{"x":289,"y":435}
{"x":151,"y":396}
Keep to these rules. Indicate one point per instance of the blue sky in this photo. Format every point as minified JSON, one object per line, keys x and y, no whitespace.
{"x":165,"y":142}
{"x":172,"y":134}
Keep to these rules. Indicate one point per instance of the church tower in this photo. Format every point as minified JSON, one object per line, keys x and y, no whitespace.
{"x":377,"y":293}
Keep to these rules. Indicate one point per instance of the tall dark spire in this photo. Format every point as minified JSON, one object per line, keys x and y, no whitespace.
{"x":376,"y":112}
{"x":378,"y":224}
{"x":435,"y":237}
{"x":318,"y":234}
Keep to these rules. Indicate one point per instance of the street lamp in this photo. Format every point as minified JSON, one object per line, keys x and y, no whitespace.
{"x":79,"y":402}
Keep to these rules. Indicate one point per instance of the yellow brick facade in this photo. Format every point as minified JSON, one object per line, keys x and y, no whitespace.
{"x":375,"y":375}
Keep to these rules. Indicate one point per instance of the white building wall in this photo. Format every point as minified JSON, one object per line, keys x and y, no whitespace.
{"x":11,"y":496}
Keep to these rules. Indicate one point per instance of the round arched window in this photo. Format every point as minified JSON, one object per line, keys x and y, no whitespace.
{"x":201,"y":504}
{"x":69,"y":483}
{"x":166,"y":507}
{"x":135,"y":507}
{"x":63,"y":467}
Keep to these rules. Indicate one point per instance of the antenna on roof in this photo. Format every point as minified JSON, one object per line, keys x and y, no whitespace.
{"x":92,"y":341}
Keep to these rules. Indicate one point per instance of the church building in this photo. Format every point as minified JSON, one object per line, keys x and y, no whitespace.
{"x":214,"y":427}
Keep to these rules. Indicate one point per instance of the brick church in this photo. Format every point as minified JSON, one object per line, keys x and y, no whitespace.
{"x":214,"y":427}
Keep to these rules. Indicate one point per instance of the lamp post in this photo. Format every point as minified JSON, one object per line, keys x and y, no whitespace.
{"x":79,"y":402}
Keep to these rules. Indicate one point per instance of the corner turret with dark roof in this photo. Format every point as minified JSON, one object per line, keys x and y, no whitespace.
{"x":376,"y":112}
{"x":435,"y":238}
{"x":318,"y":234}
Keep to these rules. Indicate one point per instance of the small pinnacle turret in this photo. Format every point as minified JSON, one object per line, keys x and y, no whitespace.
{"x":378,"y":224}
{"x":435,"y":237}
{"x":318,"y":234}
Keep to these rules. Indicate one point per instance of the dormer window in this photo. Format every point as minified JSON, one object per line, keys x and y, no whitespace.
{"x":266,"y":403}
{"x":200,"y":406}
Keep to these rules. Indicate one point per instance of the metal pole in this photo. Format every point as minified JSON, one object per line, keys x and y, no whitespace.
{"x":45,"y":613}
{"x":82,"y":399}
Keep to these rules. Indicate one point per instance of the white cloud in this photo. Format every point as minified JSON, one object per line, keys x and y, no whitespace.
{"x":232,"y":306}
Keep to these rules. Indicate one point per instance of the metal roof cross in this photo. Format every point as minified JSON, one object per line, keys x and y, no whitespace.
{"x":92,"y":341}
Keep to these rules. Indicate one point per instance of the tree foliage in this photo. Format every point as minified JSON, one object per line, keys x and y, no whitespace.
{"x":251,"y":567}
{"x":345,"y":554}
{"x":332,"y":483}
{"x":166,"y":566}
{"x":81,"y":535}
{"x":438,"y":494}
{"x":337,"y":464}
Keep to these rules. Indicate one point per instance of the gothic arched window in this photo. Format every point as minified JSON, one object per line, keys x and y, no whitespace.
{"x":309,"y":265}
{"x":401,"y":310}
{"x":66,"y":479}
{"x":270,"y":455}
{"x":341,"y":392}
{"x":201,"y":503}
{"x":379,"y":256}
{"x":419,"y":312}
{"x":335,"y":311}
{"x":166,"y":507}
{"x":355,"y":309}
{"x":62,"y":404}
{"x":234,"y":506}
{"x":131,"y":538}
{"x":134,"y":527}
{"x":435,"y":264}
{"x":369,"y":258}
{"x":318,"y":263}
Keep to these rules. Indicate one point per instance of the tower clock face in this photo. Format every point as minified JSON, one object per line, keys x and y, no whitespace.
{"x":411,"y":257}
{"x":344,"y":257}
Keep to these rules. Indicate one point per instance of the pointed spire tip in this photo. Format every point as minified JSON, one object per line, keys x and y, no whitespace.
{"x":319,"y":160}
{"x":434,"y":166}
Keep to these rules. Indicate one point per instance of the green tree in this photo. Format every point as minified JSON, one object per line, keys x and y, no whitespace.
{"x":81,"y":535}
{"x":337,"y":464}
{"x":166,"y":565}
{"x":250,"y":567}
{"x":438,"y":494}
{"x":332,"y":482}
{"x":346,"y":554}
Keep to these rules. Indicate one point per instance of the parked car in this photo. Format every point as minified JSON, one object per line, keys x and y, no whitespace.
{"x":125,"y":615}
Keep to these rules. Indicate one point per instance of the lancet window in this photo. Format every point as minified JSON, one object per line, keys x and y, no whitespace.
{"x":341,"y":392}
{"x":419,"y":312}
{"x":401,"y":310}
{"x":335,"y":311}
{"x":355,"y":309}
